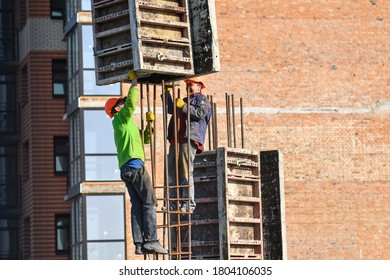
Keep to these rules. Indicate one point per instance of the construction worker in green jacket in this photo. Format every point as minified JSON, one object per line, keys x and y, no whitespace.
{"x":131,"y":158}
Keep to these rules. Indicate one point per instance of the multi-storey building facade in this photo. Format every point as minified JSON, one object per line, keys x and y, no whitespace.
{"x":54,"y":138}
{"x":98,"y":212}
{"x":10,"y":136}
{"x":35,"y":217}
{"x":314,"y":78}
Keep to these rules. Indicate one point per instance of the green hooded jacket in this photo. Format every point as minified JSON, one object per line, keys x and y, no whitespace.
{"x":127,"y":135}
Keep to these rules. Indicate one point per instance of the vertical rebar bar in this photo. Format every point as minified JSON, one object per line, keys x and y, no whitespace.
{"x":215,"y":130}
{"x":166,"y":220}
{"x":175,"y":129}
{"x":210,"y":98}
{"x":189,"y":171}
{"x":142,"y":113}
{"x":151,"y":145}
{"x":234,"y":122}
{"x":242,"y":124}
{"x":228,"y":119}
{"x":142,"y":127}
{"x":154,"y":131}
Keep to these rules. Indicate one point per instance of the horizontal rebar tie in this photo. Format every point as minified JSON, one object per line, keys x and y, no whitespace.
{"x":172,"y":187}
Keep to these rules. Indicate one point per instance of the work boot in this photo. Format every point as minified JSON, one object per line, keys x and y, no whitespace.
{"x":185,"y":209}
{"x":154,"y":248}
{"x":173,"y":207}
{"x":138,"y":249}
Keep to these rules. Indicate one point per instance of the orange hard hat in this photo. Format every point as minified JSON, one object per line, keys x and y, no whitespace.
{"x":195,"y":80}
{"x":110,"y":103}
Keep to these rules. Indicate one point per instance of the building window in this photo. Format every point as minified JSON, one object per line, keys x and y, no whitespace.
{"x":22,"y":13}
{"x":62,"y":233}
{"x":8,"y":177}
{"x":87,"y":41}
{"x":60,"y":155}
{"x":74,"y":150}
{"x":85,"y":5}
{"x":105,"y":228}
{"x":89,"y":73}
{"x":8,"y":123}
{"x":101,"y":163}
{"x":73,"y":67}
{"x":26,"y":247}
{"x":77,"y":228}
{"x":24,"y":86}
{"x":71,"y":9}
{"x":26,"y":161}
{"x":59,"y":76}
{"x":7,"y":31}
{"x":8,"y":239}
{"x":57,"y":8}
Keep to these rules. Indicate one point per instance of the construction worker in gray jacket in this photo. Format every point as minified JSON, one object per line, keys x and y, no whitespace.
{"x":199,"y":109}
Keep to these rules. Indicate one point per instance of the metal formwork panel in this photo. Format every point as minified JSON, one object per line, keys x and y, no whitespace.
{"x":273,"y":206}
{"x":204,"y":36}
{"x":240,"y":206}
{"x":151,"y":37}
{"x":160,"y":39}
{"x":227,"y":190}
{"x":205,"y":219}
{"x":243,"y":204}
{"x":112,"y":40}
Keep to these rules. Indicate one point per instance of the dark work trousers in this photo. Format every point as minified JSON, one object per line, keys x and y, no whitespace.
{"x":143,"y":204}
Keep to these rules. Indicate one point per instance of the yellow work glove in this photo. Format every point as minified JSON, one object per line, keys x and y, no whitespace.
{"x":132,"y":75}
{"x":168,"y":88}
{"x":149,"y":116}
{"x":179,"y":103}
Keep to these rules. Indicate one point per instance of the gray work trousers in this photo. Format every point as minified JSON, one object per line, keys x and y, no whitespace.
{"x":185,"y":156}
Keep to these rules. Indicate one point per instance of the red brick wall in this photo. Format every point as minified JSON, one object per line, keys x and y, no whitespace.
{"x":314,"y":78}
{"x":315,"y":81}
{"x":38,"y":9}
